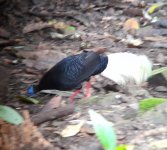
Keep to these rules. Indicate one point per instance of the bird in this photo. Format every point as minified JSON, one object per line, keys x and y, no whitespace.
{"x":71,"y":72}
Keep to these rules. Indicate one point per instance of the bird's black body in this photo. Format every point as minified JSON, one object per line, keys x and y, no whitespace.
{"x":70,"y":72}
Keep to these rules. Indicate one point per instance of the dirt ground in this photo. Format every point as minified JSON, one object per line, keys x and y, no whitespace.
{"x":33,"y":37}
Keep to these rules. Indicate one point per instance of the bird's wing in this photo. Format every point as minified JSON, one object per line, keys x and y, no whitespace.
{"x":80,"y":67}
{"x":102,"y":65}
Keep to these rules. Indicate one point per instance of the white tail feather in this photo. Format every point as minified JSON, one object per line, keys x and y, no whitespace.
{"x":126,"y":68}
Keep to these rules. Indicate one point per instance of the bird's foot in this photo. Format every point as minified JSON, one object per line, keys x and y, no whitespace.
{"x":72,"y":97}
{"x":88,"y":87}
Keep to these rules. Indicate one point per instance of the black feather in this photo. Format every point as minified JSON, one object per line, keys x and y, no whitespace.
{"x":69,"y":73}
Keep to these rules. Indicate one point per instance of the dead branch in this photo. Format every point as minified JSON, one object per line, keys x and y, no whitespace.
{"x":52,"y":114}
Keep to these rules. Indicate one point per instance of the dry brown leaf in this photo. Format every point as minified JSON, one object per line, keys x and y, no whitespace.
{"x":4,"y":33}
{"x":35,"y":26}
{"x":72,"y":130}
{"x":131,"y":24}
{"x":155,"y":38}
{"x":53,"y":103}
{"x":60,"y":25}
{"x":87,"y":129}
{"x":24,"y":136}
{"x":40,"y":60}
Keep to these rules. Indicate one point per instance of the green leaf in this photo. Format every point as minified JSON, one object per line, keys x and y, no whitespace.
{"x":121,"y":147}
{"x":10,"y":115}
{"x":125,"y":147}
{"x":71,"y":28}
{"x":104,"y":131}
{"x":154,"y":7}
{"x":159,"y":70}
{"x":28,"y":99}
{"x":149,"y":103}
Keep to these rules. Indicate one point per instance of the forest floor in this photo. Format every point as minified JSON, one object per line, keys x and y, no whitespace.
{"x":34,"y":38}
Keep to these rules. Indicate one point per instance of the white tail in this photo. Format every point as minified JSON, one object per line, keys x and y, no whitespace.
{"x":126,"y":68}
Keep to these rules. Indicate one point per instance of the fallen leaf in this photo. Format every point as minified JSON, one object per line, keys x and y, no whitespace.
{"x":150,"y":103}
{"x":53,"y":103}
{"x":87,"y":129}
{"x":131,"y":24}
{"x":22,"y":136}
{"x":4,"y":33}
{"x":28,"y":99}
{"x":125,"y":147}
{"x":64,"y":28}
{"x":147,"y":16}
{"x":135,"y":43}
{"x":72,"y":130}
{"x":131,"y":41}
{"x":154,"y":7}
{"x":59,"y":25}
{"x":44,"y":59}
{"x":60,"y":93}
{"x":159,"y":144}
{"x":35,"y":26}
{"x":155,"y":38}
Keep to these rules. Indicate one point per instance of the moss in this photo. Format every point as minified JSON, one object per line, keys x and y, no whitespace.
{"x":150,"y":103}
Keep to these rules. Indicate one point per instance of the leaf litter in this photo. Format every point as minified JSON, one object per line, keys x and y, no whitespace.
{"x":93,"y":34}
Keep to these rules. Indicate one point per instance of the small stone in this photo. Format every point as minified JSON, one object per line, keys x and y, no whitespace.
{"x":57,"y":123}
{"x":161,"y":89}
{"x":134,"y":106}
{"x":97,"y":85}
{"x":118,"y":96}
{"x":130,"y":113}
{"x":162,"y":23}
{"x":160,"y":58}
{"x":136,"y":126}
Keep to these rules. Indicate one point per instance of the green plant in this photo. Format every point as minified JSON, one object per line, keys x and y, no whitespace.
{"x":105,"y":133}
{"x":149,"y":103}
{"x":10,"y":115}
{"x":104,"y":130}
{"x":159,"y":70}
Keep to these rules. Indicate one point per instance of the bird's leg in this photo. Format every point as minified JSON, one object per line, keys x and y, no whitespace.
{"x":88,"y":86}
{"x":74,"y":95}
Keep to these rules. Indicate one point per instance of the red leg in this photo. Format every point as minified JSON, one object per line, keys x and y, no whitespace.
{"x":88,"y":86}
{"x":74,"y":95}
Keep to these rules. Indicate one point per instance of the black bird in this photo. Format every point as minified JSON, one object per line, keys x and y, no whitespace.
{"x":69,"y":73}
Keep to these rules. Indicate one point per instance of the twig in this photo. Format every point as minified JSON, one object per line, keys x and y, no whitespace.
{"x":4,"y":43}
{"x":52,"y":114}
